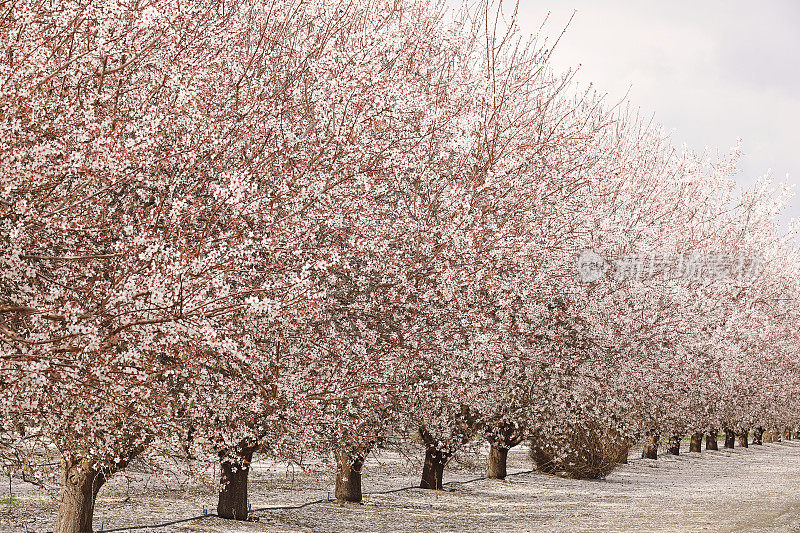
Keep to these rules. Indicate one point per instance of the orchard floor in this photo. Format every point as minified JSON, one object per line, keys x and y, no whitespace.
{"x":752,"y":489}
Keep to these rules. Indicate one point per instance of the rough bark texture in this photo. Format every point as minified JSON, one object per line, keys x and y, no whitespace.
{"x":498,"y":457}
{"x":743,"y":437}
{"x":758,"y":433}
{"x":650,"y":450}
{"x":674,"y":446}
{"x":711,"y":440}
{"x":787,"y":434}
{"x":501,"y":439}
{"x":80,"y":485}
{"x":730,"y":438}
{"x":235,"y":468}
{"x":433,"y":468}
{"x":436,"y":458}
{"x":348,"y":477}
{"x":696,"y":444}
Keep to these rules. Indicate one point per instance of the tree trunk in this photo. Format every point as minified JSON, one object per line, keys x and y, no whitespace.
{"x":650,"y":450}
{"x":81,"y":484}
{"x":232,"y":503}
{"x":498,"y":457}
{"x":674,"y":445}
{"x":433,"y":468}
{"x":743,"y":436}
{"x":758,"y":433}
{"x":501,"y":439}
{"x":348,"y":477}
{"x":711,"y":440}
{"x":730,"y":438}
{"x":787,"y":434}
{"x":696,"y":444}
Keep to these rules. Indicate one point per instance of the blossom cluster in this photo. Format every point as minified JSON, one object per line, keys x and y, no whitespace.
{"x":301,"y":228}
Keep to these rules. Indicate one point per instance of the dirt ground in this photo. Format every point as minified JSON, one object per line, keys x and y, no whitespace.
{"x":752,"y":489}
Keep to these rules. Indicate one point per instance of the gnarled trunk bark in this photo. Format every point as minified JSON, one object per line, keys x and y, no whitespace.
{"x":730,"y":438}
{"x":235,"y":469}
{"x":711,"y":440}
{"x":743,"y":437}
{"x":674,"y":445}
{"x":433,"y":468}
{"x":501,"y":439}
{"x":498,"y":457}
{"x":696,"y":444}
{"x":80,"y":485}
{"x":650,"y":450}
{"x":348,"y":477}
{"x":435,"y":459}
{"x":758,"y":433}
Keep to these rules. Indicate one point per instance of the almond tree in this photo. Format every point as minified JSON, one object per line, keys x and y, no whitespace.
{"x":134,"y":165}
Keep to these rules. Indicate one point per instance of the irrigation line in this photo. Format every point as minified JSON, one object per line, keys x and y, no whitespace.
{"x":154,"y":526}
{"x":165,"y":524}
{"x":323,"y":500}
{"x":287,"y":507}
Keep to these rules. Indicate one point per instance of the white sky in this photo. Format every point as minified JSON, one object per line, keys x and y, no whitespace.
{"x":709,"y":71}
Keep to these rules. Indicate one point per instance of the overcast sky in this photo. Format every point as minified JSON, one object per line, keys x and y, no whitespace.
{"x":709,"y":71}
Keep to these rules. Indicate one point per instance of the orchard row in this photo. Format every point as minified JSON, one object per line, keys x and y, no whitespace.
{"x":230,"y":226}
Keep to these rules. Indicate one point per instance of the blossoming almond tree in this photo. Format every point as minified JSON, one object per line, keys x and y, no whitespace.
{"x":268,"y":226}
{"x":133,"y":169}
{"x":374,"y":122}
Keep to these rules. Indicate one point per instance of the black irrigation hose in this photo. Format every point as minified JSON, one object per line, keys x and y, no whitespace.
{"x":132,"y":528}
{"x":316,"y":502}
{"x":285,"y":507}
{"x":382,"y":492}
{"x":165,"y":524}
{"x":262,"y":509}
{"x":288,"y":507}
